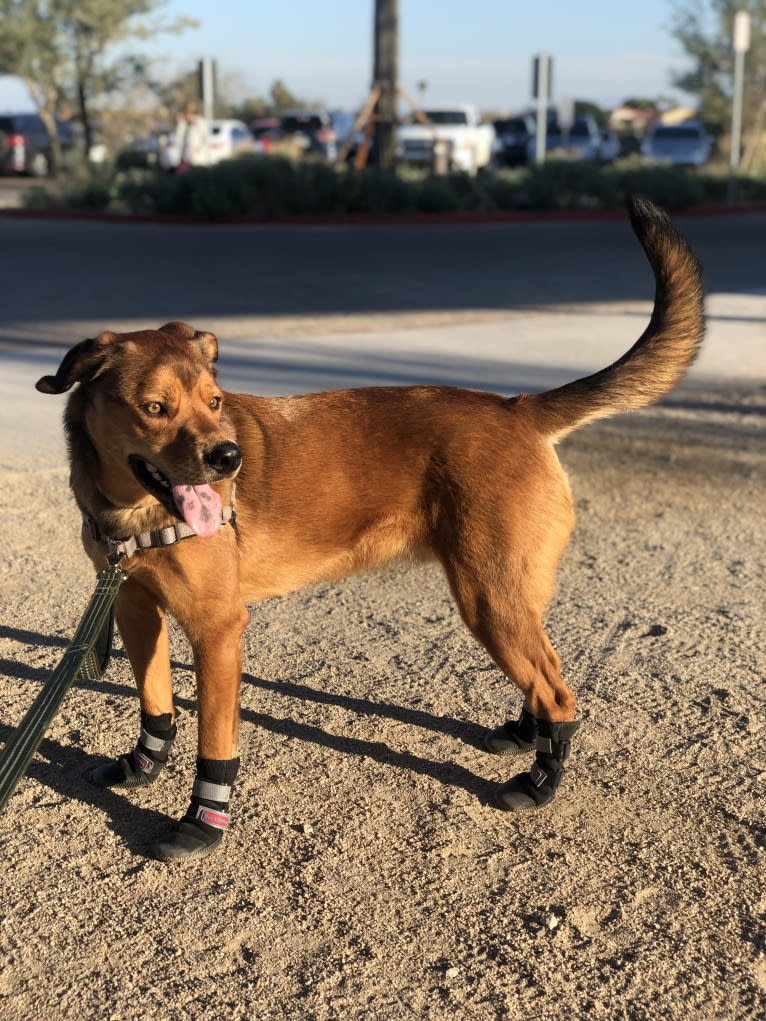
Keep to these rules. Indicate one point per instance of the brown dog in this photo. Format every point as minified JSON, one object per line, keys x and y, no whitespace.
{"x":328,"y":484}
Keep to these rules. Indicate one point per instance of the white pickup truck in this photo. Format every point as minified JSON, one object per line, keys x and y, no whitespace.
{"x":470,"y":144}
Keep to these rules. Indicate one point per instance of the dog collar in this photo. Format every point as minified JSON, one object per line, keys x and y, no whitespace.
{"x":126,"y":547}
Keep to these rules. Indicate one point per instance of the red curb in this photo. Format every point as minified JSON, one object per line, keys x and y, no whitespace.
{"x":373,"y":219}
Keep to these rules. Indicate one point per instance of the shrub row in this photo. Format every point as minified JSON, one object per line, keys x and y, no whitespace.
{"x":268,"y":187}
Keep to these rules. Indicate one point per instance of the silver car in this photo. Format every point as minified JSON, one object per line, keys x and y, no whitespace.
{"x":683,"y":145}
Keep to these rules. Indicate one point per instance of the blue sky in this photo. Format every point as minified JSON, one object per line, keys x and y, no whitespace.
{"x":466,"y":50}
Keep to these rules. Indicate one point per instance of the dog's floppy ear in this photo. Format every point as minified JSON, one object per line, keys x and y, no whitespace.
{"x":79,"y":362}
{"x":206,"y":342}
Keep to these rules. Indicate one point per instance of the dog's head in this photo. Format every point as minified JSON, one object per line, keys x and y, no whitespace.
{"x":150,"y":408}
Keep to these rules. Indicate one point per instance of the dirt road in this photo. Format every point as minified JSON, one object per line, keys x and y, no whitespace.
{"x":366,"y":874}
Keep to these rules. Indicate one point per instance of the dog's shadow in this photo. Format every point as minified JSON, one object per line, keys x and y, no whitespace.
{"x":67,"y":770}
{"x":449,"y":774}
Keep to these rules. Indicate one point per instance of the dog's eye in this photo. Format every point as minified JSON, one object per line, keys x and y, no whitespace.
{"x":215,"y":403}
{"x":154,"y":408}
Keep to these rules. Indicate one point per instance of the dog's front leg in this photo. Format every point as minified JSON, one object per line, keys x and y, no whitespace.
{"x":143,"y":628}
{"x":214,"y":626}
{"x":217,"y":654}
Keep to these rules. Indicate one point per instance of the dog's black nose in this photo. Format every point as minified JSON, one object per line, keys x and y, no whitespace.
{"x":225,"y":458}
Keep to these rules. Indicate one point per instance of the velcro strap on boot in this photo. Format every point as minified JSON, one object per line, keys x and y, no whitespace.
{"x":557,"y":745}
{"x":145,"y":763}
{"x":211,"y":791}
{"x":155,"y":744}
{"x":212,"y":817}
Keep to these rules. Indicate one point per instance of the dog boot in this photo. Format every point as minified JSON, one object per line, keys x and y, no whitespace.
{"x":537,"y":787}
{"x":513,"y":737}
{"x":201,"y":830}
{"x":147,"y":760}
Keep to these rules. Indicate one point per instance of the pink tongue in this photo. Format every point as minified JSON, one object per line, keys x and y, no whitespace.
{"x":200,"y":507}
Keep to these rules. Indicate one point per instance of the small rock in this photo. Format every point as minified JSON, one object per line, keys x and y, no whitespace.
{"x":551,"y":922}
{"x":655,"y":631}
{"x":452,"y":972}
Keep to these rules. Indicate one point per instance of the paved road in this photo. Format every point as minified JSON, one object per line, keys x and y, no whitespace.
{"x":55,"y":271}
{"x":507,"y":307}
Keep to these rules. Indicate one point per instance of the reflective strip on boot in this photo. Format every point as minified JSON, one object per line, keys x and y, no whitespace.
{"x":208,"y":791}
{"x":156,"y":744}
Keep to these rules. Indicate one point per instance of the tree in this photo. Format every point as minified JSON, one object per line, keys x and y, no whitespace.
{"x":600,"y":115}
{"x":649,"y":105}
{"x":282,"y":99}
{"x":279,"y":101}
{"x":28,"y":48}
{"x":704,"y":30}
{"x":174,"y":93}
{"x":63,"y":50}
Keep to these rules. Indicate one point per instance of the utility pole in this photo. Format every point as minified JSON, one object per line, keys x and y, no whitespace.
{"x":386,"y":76}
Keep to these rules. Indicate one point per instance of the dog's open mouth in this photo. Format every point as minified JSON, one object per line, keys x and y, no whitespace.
{"x":198,"y":505}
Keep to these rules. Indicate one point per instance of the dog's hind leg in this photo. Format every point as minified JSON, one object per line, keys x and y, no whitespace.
{"x":514,"y":637}
{"x":512,"y":632}
{"x":143,"y":628}
{"x":515,"y":737}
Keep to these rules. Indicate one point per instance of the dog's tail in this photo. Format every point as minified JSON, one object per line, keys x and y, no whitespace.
{"x":660,"y":357}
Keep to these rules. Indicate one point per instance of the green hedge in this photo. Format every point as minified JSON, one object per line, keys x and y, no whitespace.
{"x":268,"y":187}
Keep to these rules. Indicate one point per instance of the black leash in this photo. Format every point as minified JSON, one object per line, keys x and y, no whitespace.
{"x":86,"y":657}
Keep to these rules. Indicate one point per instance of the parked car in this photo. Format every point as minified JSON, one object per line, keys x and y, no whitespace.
{"x":268,"y":134}
{"x":583,"y":141}
{"x":25,"y":146}
{"x":342,"y":123}
{"x":313,"y":132}
{"x":98,"y":152}
{"x":226,"y":138}
{"x":512,"y":135}
{"x":264,"y":127}
{"x":470,"y":144}
{"x":683,"y":145}
{"x":610,"y":147}
{"x":230,"y":138}
{"x":140,"y":152}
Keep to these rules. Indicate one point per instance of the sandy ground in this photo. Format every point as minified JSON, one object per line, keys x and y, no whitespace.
{"x":366,"y":874}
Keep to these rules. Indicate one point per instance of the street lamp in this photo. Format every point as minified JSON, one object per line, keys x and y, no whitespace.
{"x":740,"y":44}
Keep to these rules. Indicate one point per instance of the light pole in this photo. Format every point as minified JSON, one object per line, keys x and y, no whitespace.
{"x":542,"y":66}
{"x":741,"y":44}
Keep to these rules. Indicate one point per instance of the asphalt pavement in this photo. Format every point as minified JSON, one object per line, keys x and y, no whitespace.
{"x":507,"y":307}
{"x":74,"y":270}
